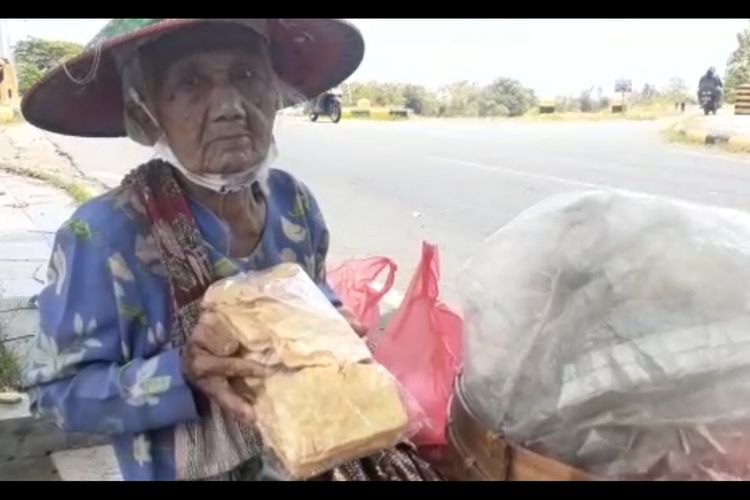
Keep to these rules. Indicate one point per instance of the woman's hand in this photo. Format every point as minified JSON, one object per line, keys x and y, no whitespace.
{"x":210,"y":360}
{"x":356,"y":325}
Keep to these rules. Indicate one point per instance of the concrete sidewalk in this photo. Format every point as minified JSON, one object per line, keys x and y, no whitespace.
{"x":31,"y":449}
{"x":30,"y":213}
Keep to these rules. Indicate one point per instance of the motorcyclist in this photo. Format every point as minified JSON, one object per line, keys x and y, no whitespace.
{"x":326,"y":99}
{"x":327,"y":103}
{"x":711,"y":81}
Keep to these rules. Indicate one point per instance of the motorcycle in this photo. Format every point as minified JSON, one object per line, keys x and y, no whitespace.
{"x":326,"y":104}
{"x":708,"y":101}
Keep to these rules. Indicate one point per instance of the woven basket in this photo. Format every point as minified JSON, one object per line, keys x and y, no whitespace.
{"x":476,"y":453}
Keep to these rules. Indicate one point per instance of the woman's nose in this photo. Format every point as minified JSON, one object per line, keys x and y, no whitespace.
{"x":226,"y":104}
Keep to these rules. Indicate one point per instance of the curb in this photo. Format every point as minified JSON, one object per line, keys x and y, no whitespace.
{"x":712,"y":138}
{"x":78,"y":192}
{"x":68,"y":178}
{"x":23,"y":436}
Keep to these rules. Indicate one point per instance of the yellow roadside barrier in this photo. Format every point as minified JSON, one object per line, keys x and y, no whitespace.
{"x":6,"y":114}
{"x":742,"y":103}
{"x":377,"y":113}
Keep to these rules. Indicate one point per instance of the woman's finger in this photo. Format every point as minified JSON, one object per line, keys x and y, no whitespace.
{"x":246,"y":387}
{"x":206,"y":336}
{"x":219,"y":390}
{"x":358,"y":327}
{"x":203,"y":364}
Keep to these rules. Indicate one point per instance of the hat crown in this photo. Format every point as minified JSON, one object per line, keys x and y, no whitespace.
{"x":119,"y":27}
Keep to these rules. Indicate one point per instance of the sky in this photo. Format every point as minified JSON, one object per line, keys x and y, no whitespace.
{"x":552,"y":56}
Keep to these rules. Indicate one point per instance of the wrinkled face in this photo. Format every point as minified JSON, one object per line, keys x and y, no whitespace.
{"x":215,"y":101}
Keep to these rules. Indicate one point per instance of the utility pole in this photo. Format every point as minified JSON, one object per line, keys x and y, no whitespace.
{"x":8,"y":80}
{"x":4,"y":48}
{"x":6,"y":51}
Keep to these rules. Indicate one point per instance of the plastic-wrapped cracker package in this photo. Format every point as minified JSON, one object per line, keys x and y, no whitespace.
{"x":611,"y":331}
{"x":326,"y":401}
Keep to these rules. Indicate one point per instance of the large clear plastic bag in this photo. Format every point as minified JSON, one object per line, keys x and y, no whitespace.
{"x":325,"y":401}
{"x":612,"y":331}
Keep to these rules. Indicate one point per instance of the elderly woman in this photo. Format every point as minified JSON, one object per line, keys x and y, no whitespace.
{"x":122,"y":350}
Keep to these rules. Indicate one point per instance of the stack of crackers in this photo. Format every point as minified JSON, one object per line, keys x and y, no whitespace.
{"x":326,"y":401}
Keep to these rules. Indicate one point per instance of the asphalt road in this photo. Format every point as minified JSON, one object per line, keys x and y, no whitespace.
{"x":387,"y":186}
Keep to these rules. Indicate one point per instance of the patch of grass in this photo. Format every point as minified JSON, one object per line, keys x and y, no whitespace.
{"x":679,"y":133}
{"x":648,"y":112}
{"x":378,"y":118}
{"x":571,"y":116}
{"x":16,"y":119}
{"x":634,"y":114}
{"x":77,"y":191}
{"x":742,"y":148}
{"x":7,"y":115}
{"x":10,"y":371}
{"x":676,"y":133}
{"x":642,"y":115}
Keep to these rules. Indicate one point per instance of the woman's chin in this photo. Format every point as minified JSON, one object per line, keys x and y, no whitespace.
{"x":232,"y":163}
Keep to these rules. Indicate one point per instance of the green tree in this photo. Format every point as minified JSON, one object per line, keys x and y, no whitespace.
{"x":586,"y":102}
{"x":35,"y":56}
{"x":361,"y":90}
{"x":379,"y":94}
{"x":564,"y":104}
{"x":601,"y":100}
{"x":503,"y":97}
{"x":393,"y":94}
{"x":27,"y":76}
{"x":738,"y":66}
{"x":677,"y":90}
{"x":419,"y":99}
{"x":647,"y":95}
{"x":461,"y":99}
{"x":506,"y":97}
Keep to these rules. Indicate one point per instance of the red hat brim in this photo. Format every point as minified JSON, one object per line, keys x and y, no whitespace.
{"x":311,"y":55}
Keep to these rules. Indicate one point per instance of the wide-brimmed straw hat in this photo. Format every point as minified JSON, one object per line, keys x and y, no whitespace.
{"x":84,"y":97}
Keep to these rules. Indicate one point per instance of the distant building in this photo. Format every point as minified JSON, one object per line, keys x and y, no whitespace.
{"x":8,"y":84}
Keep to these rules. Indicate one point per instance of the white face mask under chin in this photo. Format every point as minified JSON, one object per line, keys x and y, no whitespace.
{"x":220,"y":183}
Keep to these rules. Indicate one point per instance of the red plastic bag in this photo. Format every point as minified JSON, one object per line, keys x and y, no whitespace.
{"x":421,"y":346}
{"x":353,"y":282}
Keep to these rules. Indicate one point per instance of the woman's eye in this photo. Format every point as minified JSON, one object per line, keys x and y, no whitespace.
{"x":189,"y":81}
{"x":246,"y":74}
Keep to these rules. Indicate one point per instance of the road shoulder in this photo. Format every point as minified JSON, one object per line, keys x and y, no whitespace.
{"x":730,"y":133}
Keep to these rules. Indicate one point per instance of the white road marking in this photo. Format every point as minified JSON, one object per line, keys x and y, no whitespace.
{"x":569,"y":182}
{"x":520,"y":173}
{"x":717,"y":156}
